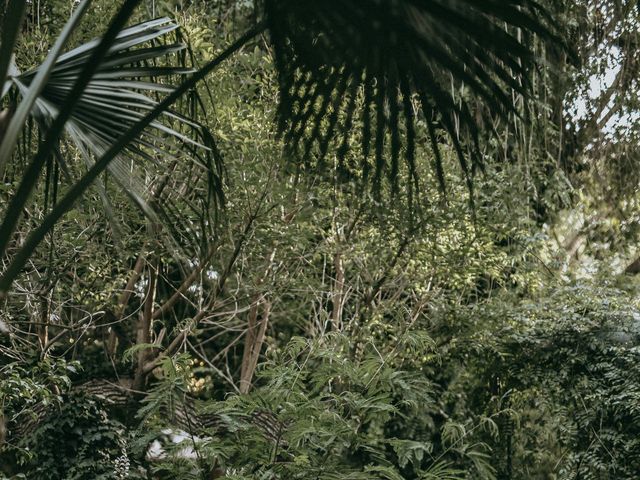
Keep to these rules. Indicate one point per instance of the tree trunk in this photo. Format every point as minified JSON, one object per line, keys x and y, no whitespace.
{"x":144,"y":332}
{"x":253,"y":343}
{"x":338,"y":292}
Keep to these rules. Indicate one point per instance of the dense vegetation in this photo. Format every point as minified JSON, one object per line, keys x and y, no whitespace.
{"x":396,"y":241}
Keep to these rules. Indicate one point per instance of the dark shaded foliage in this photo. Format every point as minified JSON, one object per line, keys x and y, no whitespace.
{"x":381,"y":60}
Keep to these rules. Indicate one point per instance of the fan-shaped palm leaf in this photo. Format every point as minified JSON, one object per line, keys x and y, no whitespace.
{"x":118,"y":97}
{"x":386,"y":56}
{"x":128,"y":136}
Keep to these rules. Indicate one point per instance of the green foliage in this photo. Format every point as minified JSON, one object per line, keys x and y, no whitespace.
{"x":334,"y":410}
{"x":95,"y":445}
{"x":381,"y":60}
{"x":24,"y":387}
{"x":405,"y":335}
{"x":560,"y":372}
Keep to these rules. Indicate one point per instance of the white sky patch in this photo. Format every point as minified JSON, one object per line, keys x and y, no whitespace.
{"x":585,"y":105}
{"x":598,"y":84}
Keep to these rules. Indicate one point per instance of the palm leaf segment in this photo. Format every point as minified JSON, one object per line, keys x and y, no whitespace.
{"x":376,"y":61}
{"x":118,"y":97}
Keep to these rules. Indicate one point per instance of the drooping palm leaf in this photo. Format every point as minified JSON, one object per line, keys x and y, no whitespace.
{"x":48,"y":146}
{"x":11,"y":22}
{"x":102,"y":163}
{"x":376,"y":59}
{"x":117,"y":97}
{"x":36,"y":84}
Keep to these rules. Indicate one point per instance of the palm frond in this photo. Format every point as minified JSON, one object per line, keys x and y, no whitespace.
{"x":134,"y":131}
{"x":376,"y":61}
{"x":36,"y":85}
{"x":119,"y":95}
{"x":11,"y":23}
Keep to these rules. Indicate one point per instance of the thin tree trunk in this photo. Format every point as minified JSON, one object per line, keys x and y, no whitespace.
{"x":253,"y":344}
{"x":144,"y":331}
{"x":338,"y":292}
{"x":123,"y":300}
{"x":43,"y":326}
{"x":249,"y":344}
